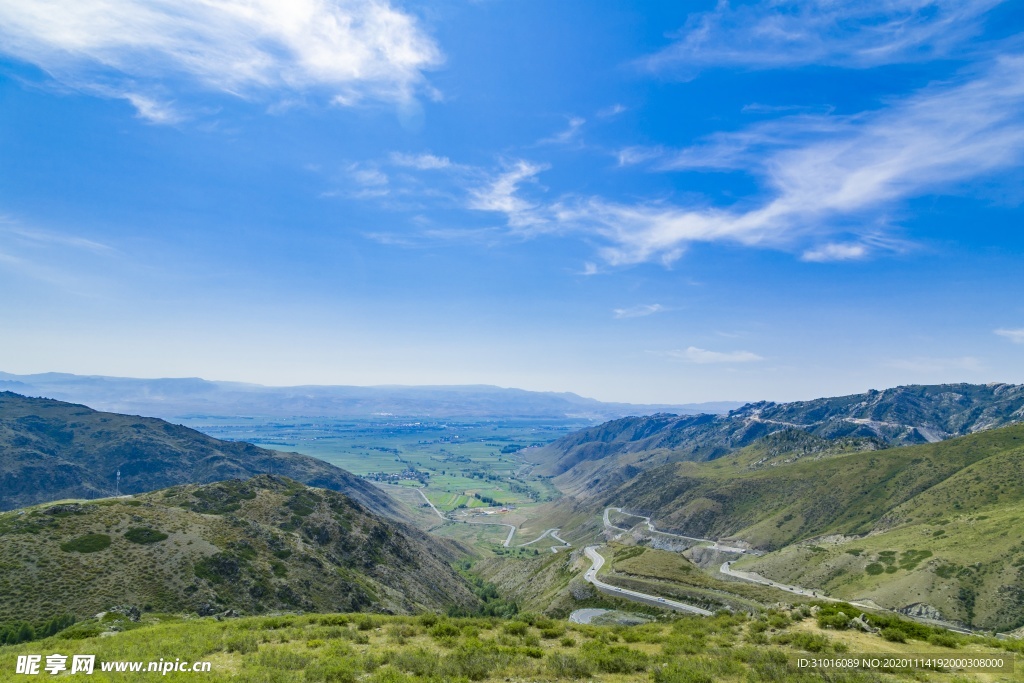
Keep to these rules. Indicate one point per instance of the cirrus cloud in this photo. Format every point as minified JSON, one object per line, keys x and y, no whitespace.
{"x":641,"y":311}
{"x":700,"y":356}
{"x":1016,"y":336}
{"x":788,"y":33}
{"x":347,"y":49}
{"x":828,"y":181}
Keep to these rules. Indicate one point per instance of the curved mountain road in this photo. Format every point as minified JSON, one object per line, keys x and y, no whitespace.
{"x":653,"y":600}
{"x":715,"y":545}
{"x":554,"y":534}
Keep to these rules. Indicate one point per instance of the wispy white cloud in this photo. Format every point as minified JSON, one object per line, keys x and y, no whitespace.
{"x":501,"y":195}
{"x":630,"y":156}
{"x":589,"y":268}
{"x":44,"y":238}
{"x":835,"y":252}
{"x":348,"y":49}
{"x":638,"y":311}
{"x":153,"y":110}
{"x":1016,"y":336}
{"x":828,"y":182}
{"x":421,"y":162}
{"x":361,"y":181}
{"x":692,"y":354}
{"x":568,"y":135}
{"x":57,"y":259}
{"x":786,"y":33}
{"x":612,"y":111}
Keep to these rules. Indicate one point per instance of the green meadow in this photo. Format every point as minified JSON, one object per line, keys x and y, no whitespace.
{"x":430,"y":648}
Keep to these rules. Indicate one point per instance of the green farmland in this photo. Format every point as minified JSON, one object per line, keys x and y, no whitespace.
{"x":457,"y":464}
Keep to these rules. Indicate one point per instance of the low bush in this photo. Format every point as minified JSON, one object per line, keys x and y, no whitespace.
{"x":144,"y":536}
{"x":568,"y":666}
{"x":90,"y":543}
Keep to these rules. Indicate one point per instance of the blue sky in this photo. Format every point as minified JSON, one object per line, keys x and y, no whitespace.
{"x":646,"y":202}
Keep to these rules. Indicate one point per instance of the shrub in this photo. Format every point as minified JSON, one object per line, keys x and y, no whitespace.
{"x":516,"y":628}
{"x":242,"y":643}
{"x":894,"y":635}
{"x":18,"y":632}
{"x":475,"y":661}
{"x":333,"y":671}
{"x":837,"y":621}
{"x":944,"y":640}
{"x":874,"y":569}
{"x":55,"y":625}
{"x":567,"y":666}
{"x":444,"y":629}
{"x":682,"y":672}
{"x":615,"y":659}
{"x":278,"y":658}
{"x":90,"y":543}
{"x":144,"y":536}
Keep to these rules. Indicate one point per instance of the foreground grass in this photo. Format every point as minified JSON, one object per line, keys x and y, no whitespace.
{"x":428,"y":648}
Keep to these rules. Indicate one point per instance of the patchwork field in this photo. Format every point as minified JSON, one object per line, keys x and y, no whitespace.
{"x":458,"y":464}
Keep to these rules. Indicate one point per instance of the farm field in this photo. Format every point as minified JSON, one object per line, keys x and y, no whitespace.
{"x":458,"y":465}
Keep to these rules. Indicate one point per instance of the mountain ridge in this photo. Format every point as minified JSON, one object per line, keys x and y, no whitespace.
{"x":181,"y":397}
{"x":52,"y":450}
{"x":610,"y":453}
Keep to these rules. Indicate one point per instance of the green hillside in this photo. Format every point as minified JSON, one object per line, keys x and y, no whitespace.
{"x":935,"y":525}
{"x":50,"y":450}
{"x":262,"y":544}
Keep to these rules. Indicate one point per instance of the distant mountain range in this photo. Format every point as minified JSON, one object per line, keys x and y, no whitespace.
{"x":51,"y":450}
{"x":192,"y":397}
{"x":608,"y":454}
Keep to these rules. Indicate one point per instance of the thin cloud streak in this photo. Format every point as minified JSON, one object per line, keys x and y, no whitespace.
{"x":641,"y":311}
{"x":568,"y":135}
{"x":693,"y":354}
{"x":783,"y":34}
{"x":1016,"y":336}
{"x":821,"y":175}
{"x":352,"y":49}
{"x":420,"y":162}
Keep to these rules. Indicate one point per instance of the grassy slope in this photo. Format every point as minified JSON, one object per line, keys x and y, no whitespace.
{"x":670,"y":574}
{"x":380,"y":649}
{"x":960,"y":499}
{"x":261,"y":544}
{"x":51,"y":450}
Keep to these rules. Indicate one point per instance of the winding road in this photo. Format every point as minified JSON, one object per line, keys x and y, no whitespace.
{"x":715,"y":545}
{"x":554,"y":534}
{"x":591,"y":576}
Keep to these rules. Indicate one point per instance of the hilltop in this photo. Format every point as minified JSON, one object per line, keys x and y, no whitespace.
{"x":263,"y":544}
{"x":606,"y":455}
{"x":51,"y":450}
